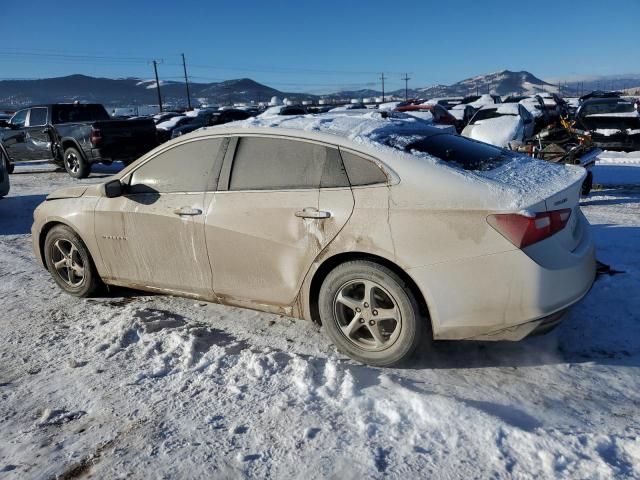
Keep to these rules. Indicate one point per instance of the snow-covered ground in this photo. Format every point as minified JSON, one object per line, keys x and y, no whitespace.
{"x":136,"y":385}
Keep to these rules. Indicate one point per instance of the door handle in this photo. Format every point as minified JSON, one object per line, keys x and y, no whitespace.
{"x":187,"y":211}
{"x":313,"y":213}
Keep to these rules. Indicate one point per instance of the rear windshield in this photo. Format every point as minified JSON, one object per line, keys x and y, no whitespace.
{"x":78,"y":113}
{"x":460,"y":151}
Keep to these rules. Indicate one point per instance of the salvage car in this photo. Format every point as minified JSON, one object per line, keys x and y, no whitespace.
{"x":438,"y":114}
{"x":536,"y":107}
{"x":614,"y":123}
{"x":501,"y":125}
{"x":384,"y":230}
{"x":75,"y":136}
{"x":211,"y":118}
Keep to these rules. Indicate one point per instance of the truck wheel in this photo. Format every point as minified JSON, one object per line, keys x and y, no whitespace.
{"x":75,"y":164}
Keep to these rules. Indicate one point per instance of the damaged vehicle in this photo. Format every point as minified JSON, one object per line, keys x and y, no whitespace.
{"x":75,"y":136}
{"x":561,"y":142}
{"x":386,"y":231}
{"x":503,"y":125}
{"x":614,"y":123}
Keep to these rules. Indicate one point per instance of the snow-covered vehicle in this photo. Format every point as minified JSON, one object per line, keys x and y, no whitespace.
{"x":614,"y":123}
{"x":383,"y":229}
{"x":503,"y":125}
{"x":284,"y":110}
{"x":436,"y":113}
{"x":536,"y":107}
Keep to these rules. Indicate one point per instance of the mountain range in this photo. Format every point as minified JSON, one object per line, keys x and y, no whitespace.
{"x":134,"y":91}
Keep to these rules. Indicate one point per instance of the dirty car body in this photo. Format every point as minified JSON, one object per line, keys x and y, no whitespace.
{"x":484,"y":256}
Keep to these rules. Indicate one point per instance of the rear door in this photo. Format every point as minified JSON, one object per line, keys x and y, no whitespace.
{"x":154,"y":234}
{"x":279,"y":203}
{"x":37,"y":138}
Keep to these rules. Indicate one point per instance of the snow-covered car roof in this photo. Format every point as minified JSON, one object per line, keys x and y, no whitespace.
{"x":384,"y":137}
{"x":358,"y":125}
{"x":503,"y":108}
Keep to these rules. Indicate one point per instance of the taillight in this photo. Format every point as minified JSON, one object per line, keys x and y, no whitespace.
{"x":523,"y":230}
{"x":96,"y":136}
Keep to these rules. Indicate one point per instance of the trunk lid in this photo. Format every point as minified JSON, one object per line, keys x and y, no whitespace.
{"x":568,"y":198}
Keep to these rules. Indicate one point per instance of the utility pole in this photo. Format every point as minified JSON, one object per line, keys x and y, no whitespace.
{"x":406,"y":86}
{"x":186,"y":80}
{"x":382,"y":77}
{"x":155,"y":69}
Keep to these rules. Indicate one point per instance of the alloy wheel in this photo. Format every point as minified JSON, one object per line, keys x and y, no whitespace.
{"x":67,"y":262}
{"x":72,"y":161}
{"x":367,"y":315}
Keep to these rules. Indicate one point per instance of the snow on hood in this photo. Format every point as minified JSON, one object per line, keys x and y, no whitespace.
{"x":169,"y":124}
{"x":497,"y":131}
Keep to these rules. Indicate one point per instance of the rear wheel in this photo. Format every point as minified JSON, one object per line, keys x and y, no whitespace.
{"x":69,"y":262}
{"x":370,"y":313}
{"x":75,"y":163}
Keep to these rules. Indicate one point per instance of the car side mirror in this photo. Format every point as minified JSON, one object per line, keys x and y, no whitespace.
{"x":113,"y":188}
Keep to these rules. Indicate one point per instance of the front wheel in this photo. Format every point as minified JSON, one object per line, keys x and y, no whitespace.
{"x":9,"y":166}
{"x":370,"y":313}
{"x":75,"y":163}
{"x":69,"y":262}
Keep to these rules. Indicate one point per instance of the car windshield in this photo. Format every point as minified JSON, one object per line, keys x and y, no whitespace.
{"x":488,"y":113}
{"x":462,"y":152}
{"x":78,"y":113}
{"x":608,"y":107}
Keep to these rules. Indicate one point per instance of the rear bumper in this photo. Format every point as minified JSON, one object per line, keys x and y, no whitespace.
{"x":506,"y":296}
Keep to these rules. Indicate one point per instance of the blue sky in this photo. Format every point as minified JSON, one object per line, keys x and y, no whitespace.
{"x":320,"y":45}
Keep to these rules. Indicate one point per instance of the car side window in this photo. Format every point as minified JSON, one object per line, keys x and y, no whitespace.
{"x":188,"y":167}
{"x":19,"y":118}
{"x":362,"y":171}
{"x":277,"y":164}
{"x":38,"y":117}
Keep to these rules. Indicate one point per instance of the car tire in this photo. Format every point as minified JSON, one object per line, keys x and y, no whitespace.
{"x":75,"y":164}
{"x":587,"y":185}
{"x":370,"y":313}
{"x":9,"y":166}
{"x":69,"y":262}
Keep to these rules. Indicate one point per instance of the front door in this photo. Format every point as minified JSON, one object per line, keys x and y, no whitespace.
{"x":153,"y":235}
{"x":281,"y":202}
{"x":13,"y":140}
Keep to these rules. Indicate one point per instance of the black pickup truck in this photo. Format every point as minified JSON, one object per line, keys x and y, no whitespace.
{"x":75,"y":136}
